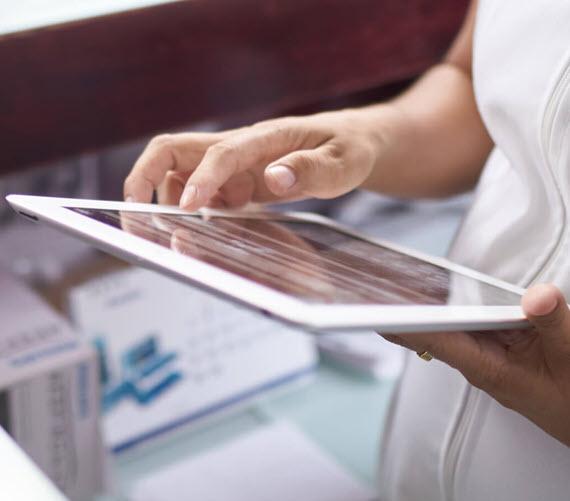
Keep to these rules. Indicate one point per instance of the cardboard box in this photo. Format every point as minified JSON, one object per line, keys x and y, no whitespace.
{"x":49,"y":391}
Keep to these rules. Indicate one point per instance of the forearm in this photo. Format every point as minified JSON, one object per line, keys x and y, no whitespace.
{"x":432,"y":140}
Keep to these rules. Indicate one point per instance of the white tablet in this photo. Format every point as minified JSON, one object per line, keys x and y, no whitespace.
{"x":298,"y":267}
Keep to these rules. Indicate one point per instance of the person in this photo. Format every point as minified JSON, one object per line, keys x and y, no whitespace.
{"x":490,"y":418}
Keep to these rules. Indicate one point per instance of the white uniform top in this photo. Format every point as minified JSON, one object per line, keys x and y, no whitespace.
{"x":444,"y":439}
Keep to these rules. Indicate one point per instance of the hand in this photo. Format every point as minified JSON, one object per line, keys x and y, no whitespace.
{"x":527,"y":371}
{"x":323,"y":156}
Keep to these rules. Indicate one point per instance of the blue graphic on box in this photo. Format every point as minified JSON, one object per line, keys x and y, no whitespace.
{"x":145,"y":373}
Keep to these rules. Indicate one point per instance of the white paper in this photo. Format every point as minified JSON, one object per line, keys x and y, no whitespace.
{"x":276,"y":463}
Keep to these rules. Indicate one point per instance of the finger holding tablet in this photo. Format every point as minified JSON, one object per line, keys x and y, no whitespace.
{"x":525,"y":370}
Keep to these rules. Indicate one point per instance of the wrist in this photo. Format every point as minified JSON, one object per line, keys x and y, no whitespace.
{"x":384,"y":127}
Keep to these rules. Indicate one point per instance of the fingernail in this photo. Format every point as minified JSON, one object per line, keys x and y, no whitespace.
{"x":189,"y":195}
{"x":130,"y":199}
{"x":283,"y":176}
{"x":541,"y":300}
{"x":549,"y":305}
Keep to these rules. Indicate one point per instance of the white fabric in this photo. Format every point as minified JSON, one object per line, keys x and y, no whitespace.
{"x":446,"y":440}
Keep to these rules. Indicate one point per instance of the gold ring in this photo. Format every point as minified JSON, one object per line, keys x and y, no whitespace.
{"x":425,"y":355}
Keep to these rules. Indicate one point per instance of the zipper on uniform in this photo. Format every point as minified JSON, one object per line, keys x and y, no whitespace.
{"x":547,"y":138}
{"x":455,"y":442}
{"x":552,"y":109}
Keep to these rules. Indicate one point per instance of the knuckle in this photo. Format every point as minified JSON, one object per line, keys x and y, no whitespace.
{"x":277,"y":132}
{"x":285,"y":132}
{"x":550,"y":322}
{"x":264,"y":123}
{"x":335,"y":150}
{"x":161,"y":141}
{"x":273,"y":122}
{"x":290,"y":131}
{"x":306,"y":162}
{"x":224,"y":149}
{"x":162,"y":149}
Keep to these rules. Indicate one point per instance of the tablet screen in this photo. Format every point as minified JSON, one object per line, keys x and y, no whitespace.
{"x":307,"y":260}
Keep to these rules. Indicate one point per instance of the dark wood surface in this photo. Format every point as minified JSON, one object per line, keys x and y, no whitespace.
{"x":90,"y":84}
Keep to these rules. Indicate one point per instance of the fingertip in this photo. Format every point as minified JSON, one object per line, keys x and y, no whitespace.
{"x":541,"y":300}
{"x":137,"y":190}
{"x":189,"y":198}
{"x":128,"y":190}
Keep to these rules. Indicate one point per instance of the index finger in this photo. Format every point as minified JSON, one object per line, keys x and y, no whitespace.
{"x":164,"y":153}
{"x":243,"y":151}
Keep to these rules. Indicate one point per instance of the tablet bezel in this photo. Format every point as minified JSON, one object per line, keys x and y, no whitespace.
{"x":314,"y":317}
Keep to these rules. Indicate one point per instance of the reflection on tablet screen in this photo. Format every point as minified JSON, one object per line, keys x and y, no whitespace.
{"x":307,"y":260}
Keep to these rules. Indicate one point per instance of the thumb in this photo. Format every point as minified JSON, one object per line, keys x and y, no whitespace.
{"x":546,"y":308}
{"x":313,"y":172}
